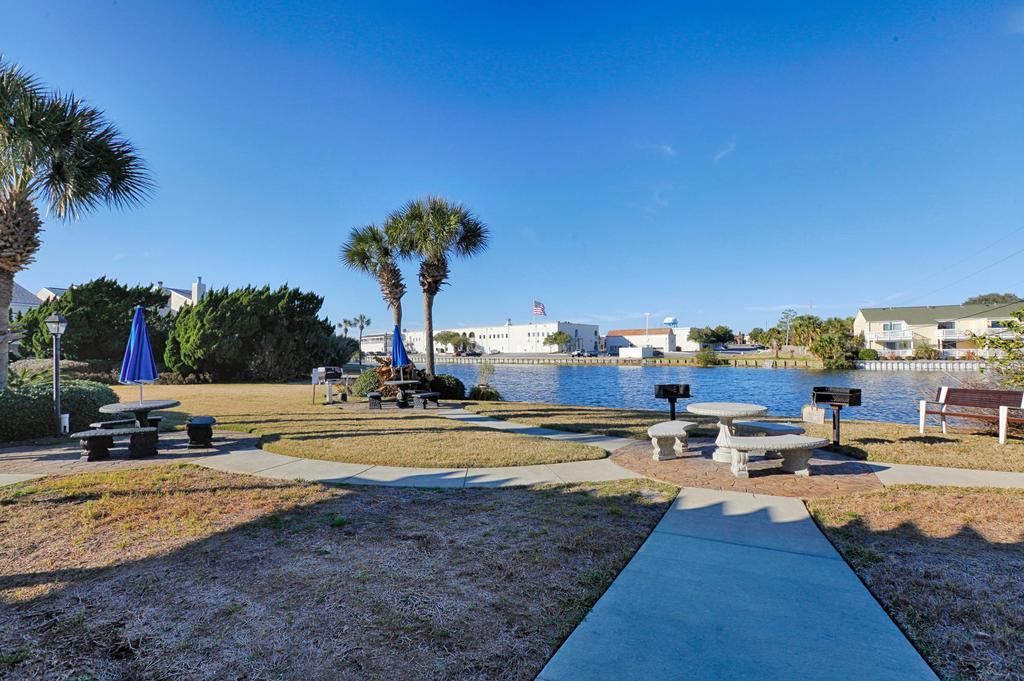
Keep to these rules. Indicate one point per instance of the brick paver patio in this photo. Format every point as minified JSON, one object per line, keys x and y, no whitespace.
{"x":831,"y":475}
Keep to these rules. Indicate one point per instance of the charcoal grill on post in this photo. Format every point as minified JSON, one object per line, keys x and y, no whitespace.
{"x":672,"y":392}
{"x":837,"y":398}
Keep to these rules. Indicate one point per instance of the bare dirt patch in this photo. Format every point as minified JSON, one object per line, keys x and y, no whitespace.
{"x":947,"y":564}
{"x":185,"y":572}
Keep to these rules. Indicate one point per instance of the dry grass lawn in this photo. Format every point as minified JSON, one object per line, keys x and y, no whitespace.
{"x":185,"y":572}
{"x":288,"y":422}
{"x":966,"y":445}
{"x":948,"y":566}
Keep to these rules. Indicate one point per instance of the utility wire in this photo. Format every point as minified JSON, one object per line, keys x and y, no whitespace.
{"x":979,"y":271}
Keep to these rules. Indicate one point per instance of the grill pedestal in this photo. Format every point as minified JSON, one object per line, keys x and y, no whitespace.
{"x":672,"y":392}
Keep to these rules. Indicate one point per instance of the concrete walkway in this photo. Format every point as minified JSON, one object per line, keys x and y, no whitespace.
{"x":605,"y":442}
{"x":736,"y":586}
{"x":268,"y":464}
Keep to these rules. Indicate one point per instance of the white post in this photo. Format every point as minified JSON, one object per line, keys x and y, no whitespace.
{"x":1004,"y":418}
{"x":924,"y":407}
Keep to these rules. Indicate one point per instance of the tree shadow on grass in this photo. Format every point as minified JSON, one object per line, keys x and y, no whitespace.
{"x":957,"y":596}
{"x":417,"y":583}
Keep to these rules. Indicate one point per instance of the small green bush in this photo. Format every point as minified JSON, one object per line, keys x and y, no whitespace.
{"x":868,"y":353}
{"x":450,"y":387}
{"x":367,"y":382}
{"x":925,"y":350}
{"x":27,"y":412}
{"x":706,"y":358}
{"x":484,"y":393}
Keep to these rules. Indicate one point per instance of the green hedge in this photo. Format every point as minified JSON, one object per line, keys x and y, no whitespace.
{"x":450,"y":387}
{"x":868,"y":353}
{"x":27,"y":413}
{"x":484,"y":393}
{"x":367,"y":382}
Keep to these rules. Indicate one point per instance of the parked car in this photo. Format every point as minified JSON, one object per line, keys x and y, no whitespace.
{"x":495,"y":351}
{"x":658,"y":353}
{"x":458,"y":353}
{"x":473,"y":353}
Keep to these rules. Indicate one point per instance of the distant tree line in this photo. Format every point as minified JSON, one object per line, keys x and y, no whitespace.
{"x":830,"y":340}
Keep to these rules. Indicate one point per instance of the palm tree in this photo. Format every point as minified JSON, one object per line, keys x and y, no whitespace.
{"x":345,"y":325}
{"x":435,"y":230}
{"x":58,"y":153}
{"x":375,"y":251}
{"x":361,"y":321}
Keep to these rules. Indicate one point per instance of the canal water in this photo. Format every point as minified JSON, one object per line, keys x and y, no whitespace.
{"x":887,"y":396}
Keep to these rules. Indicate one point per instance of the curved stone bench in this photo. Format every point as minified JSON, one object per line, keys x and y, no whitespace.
{"x":669,"y":438}
{"x":766,"y":428}
{"x":796,"y":451}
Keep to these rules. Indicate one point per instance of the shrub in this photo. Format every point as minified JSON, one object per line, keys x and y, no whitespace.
{"x":450,"y":387}
{"x":867,"y":353}
{"x":925,"y":350}
{"x":367,"y":382}
{"x":484,"y":393}
{"x":27,"y":412}
{"x":706,"y":358}
{"x":484,"y":373}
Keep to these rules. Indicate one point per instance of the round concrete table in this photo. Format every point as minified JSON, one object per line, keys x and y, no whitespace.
{"x":139,"y":409}
{"x":725,"y":412}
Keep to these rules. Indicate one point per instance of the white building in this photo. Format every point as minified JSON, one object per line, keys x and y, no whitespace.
{"x":378,"y":342}
{"x":665,"y":339}
{"x":514,"y":338}
{"x":23,"y":300}
{"x":176,"y":297}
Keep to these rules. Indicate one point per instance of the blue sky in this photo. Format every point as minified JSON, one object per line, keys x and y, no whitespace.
{"x":714,"y":162}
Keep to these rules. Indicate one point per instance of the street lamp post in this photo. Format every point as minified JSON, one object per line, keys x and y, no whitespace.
{"x":57,"y":326}
{"x":647,"y":329}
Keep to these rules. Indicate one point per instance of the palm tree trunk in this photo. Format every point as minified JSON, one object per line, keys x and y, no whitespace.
{"x":6,"y":293}
{"x":360,"y":349}
{"x":428,"y":331}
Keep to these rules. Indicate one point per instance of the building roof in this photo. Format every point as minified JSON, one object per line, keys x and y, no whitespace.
{"x":930,"y":314}
{"x":660,"y":331}
{"x":55,"y":290}
{"x":22,"y":296}
{"x":187,"y":293}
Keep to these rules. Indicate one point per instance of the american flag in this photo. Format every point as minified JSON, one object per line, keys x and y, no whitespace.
{"x":538,"y":309}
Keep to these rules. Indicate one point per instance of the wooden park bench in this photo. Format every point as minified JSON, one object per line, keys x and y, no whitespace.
{"x":200,"y":431}
{"x":994,"y":406}
{"x":96,"y":443}
{"x":421,"y":399}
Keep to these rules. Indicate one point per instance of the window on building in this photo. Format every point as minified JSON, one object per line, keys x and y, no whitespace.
{"x":892,"y":326}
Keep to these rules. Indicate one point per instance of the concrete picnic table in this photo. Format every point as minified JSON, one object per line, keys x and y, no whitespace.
{"x":140,"y":409}
{"x":403,"y":397}
{"x":725,"y":412}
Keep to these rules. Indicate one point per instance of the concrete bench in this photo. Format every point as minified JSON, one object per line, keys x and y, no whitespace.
{"x":422,"y":398}
{"x":796,"y":451}
{"x":200,"y":431}
{"x":96,"y":443}
{"x":669,"y":438}
{"x":126,"y":423}
{"x":373,"y":401}
{"x":766,"y":428}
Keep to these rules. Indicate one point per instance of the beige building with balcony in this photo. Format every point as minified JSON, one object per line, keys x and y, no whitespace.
{"x":951,"y":329}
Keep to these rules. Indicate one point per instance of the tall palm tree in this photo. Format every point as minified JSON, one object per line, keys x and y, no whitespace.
{"x":345,"y":325}
{"x":360,"y":321}
{"x":436,"y":230}
{"x":58,"y":153}
{"x":375,"y":251}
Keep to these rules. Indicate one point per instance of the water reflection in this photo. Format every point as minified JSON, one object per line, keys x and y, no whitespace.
{"x":887,"y":396}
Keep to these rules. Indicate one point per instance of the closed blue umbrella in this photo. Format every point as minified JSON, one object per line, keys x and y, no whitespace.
{"x":138,"y":365}
{"x":399,"y":358}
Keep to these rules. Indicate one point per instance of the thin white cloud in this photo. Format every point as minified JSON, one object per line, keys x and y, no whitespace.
{"x":726,"y":150}
{"x":662,"y":149}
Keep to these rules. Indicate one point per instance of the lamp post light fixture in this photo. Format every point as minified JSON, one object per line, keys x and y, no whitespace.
{"x":57,"y":326}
